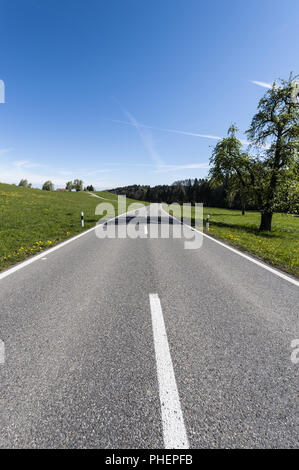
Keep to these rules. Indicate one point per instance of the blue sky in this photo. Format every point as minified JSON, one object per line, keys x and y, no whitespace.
{"x":119,"y":92}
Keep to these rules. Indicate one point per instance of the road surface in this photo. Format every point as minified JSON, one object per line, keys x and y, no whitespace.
{"x":140,"y":343}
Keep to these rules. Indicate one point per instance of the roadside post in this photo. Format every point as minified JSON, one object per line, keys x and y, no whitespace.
{"x":82,"y":219}
{"x":208,"y":223}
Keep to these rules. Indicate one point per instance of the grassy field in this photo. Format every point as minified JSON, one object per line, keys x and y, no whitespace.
{"x":280,"y":247}
{"x":32,"y":220}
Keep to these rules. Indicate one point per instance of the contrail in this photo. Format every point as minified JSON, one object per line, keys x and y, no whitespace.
{"x":146,"y":138}
{"x":262,"y":84}
{"x":173,"y":131}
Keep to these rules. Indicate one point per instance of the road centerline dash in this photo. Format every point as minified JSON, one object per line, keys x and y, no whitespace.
{"x":174,"y":432}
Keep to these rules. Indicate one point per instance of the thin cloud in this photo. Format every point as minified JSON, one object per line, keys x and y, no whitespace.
{"x":5,"y":150}
{"x":26,"y":164}
{"x":262,"y":84}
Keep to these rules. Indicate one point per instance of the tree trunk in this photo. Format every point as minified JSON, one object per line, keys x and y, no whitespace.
{"x":266,"y":222}
{"x":243,"y":208}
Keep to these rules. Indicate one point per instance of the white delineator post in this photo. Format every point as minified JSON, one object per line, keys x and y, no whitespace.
{"x":208,"y":223}
{"x":82,"y":219}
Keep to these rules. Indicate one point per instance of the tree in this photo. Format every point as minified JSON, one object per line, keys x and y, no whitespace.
{"x":274,"y":131}
{"x":48,"y":186}
{"x":25,"y":183}
{"x":230,"y":168}
{"x":196,"y":196}
{"x":189,"y":191}
{"x":90,"y":188}
{"x":78,"y":185}
{"x":69,"y":186}
{"x":276,"y":125}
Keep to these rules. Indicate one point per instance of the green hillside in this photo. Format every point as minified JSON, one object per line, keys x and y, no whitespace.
{"x":32,"y":220}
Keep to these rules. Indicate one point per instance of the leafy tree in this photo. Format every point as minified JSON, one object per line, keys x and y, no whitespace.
{"x":230,"y":167}
{"x":276,"y":125}
{"x":25,"y":183}
{"x":48,"y":186}
{"x":69,"y":186}
{"x":90,"y":188}
{"x":78,"y":185}
{"x":274,"y":131}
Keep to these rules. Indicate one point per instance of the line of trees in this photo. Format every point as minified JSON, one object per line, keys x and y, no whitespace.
{"x":77,"y":184}
{"x":184,"y":191}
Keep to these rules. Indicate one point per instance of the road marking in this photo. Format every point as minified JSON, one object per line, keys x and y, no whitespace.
{"x":259,"y":263}
{"x":44,"y":259}
{"x":145,"y":229}
{"x":174,"y":432}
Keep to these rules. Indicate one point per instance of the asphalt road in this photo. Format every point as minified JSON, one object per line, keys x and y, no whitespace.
{"x":140,"y":343}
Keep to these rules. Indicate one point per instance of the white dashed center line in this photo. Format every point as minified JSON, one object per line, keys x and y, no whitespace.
{"x":174,"y":432}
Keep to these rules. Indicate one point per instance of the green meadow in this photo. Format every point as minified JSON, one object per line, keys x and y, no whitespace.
{"x":32,"y":220}
{"x":279,"y":248}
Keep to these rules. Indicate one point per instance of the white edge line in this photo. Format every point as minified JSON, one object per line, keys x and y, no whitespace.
{"x":259,"y":263}
{"x":44,"y":253}
{"x":174,"y":431}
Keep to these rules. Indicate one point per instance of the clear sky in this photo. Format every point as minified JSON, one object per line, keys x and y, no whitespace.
{"x":95,"y":89}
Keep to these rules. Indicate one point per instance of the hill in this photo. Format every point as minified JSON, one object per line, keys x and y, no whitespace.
{"x":32,"y":220}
